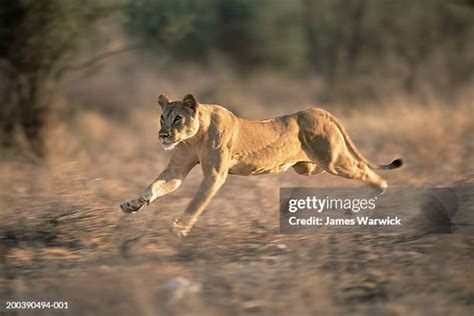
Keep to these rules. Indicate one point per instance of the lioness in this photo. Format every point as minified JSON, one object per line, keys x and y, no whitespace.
{"x":311,"y":142}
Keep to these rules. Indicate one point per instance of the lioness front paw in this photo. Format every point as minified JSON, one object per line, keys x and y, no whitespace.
{"x":179,"y":229}
{"x":132,"y":206}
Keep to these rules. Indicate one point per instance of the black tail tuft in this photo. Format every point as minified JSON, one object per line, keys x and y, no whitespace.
{"x":397,"y":163}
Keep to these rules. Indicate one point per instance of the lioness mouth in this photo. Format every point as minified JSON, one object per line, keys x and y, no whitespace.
{"x":168,"y":145}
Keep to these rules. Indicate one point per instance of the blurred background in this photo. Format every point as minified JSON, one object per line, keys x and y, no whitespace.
{"x":100,"y":55}
{"x":78,"y":135}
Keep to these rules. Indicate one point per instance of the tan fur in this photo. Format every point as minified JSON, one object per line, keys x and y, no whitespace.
{"x":311,"y":142}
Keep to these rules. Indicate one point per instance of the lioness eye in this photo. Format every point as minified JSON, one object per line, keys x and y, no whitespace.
{"x":177,"y":118}
{"x":161,"y":119}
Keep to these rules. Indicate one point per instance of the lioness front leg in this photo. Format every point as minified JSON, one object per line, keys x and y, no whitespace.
{"x":168,"y":181}
{"x":215,"y":176}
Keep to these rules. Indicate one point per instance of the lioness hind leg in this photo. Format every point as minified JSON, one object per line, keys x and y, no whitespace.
{"x":345,"y":165}
{"x":329,"y":151}
{"x":342,"y":163}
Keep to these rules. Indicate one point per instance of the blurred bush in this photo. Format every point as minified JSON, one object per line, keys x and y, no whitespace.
{"x":248,"y":33}
{"x":350,"y":43}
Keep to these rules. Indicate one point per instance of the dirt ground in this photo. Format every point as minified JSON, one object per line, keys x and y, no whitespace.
{"x":64,"y":238}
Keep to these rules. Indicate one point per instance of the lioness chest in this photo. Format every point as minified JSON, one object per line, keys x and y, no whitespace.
{"x":270,"y":146}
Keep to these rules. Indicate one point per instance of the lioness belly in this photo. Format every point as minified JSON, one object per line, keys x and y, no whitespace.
{"x":270,"y":146}
{"x":250,"y":169}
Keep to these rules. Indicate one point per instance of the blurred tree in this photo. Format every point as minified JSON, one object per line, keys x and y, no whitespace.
{"x":180,"y":28}
{"x":196,"y":30}
{"x":282,"y":42}
{"x":37,"y":40}
{"x":350,"y":41}
{"x":238,"y":33}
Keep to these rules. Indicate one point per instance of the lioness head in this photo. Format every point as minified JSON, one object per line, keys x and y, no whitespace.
{"x":179,"y":120}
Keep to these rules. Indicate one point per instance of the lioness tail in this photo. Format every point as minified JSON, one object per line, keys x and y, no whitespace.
{"x":397,"y":163}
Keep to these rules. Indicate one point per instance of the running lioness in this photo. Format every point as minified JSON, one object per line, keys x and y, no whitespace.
{"x":311,"y":142}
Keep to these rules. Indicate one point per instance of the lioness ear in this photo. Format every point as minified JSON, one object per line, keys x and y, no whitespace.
{"x":163,"y":101}
{"x":190,"y":101}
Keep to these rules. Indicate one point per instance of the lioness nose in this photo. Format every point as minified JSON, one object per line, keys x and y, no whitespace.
{"x":164,"y":134}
